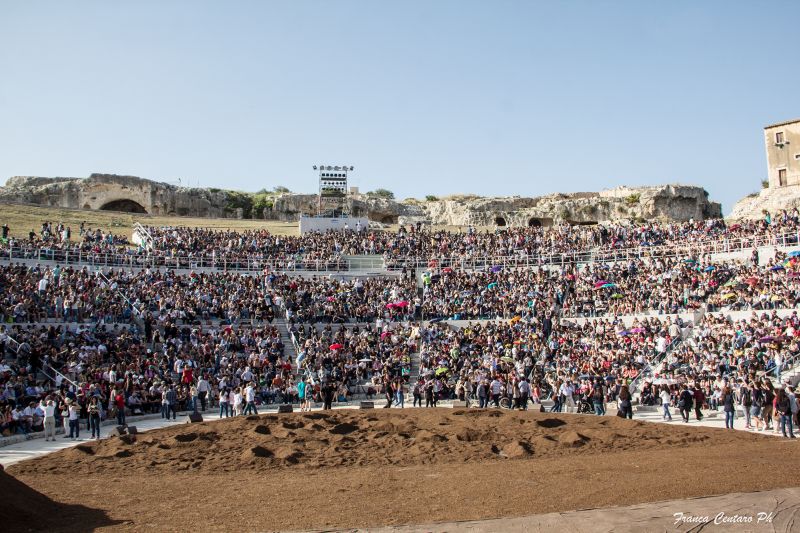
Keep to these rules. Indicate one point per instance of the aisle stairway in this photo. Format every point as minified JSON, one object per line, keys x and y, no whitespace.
{"x":290,"y":350}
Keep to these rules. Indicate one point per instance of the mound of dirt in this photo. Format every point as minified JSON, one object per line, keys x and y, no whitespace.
{"x":437,"y":464}
{"x":344,"y":437}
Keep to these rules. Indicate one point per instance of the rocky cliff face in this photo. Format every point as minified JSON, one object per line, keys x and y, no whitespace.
{"x":669,"y":202}
{"x":116,"y":193}
{"x":129,"y":193}
{"x":772,"y":199}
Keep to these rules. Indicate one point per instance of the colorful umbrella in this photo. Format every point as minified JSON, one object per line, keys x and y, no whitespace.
{"x":336,"y":346}
{"x":497,"y":268}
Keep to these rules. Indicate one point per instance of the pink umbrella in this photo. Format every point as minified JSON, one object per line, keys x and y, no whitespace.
{"x":336,"y":346}
{"x":401,"y":303}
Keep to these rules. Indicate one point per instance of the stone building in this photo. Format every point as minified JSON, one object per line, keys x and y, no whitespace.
{"x":782,"y":142}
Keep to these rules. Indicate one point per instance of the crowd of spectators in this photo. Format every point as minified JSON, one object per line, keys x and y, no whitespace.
{"x":149,"y":338}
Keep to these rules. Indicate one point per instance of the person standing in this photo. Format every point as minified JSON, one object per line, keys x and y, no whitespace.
{"x":746,"y":401}
{"x":172,"y":402}
{"x":94,"y":417}
{"x":783,"y":405}
{"x":625,"y":404}
{"x":399,"y":394}
{"x":250,"y":399}
{"x":728,"y":405}
{"x":119,"y":403}
{"x":203,"y":388}
{"x":74,"y":421}
{"x":666,"y":399}
{"x":224,"y":406}
{"x":483,"y":394}
{"x":301,"y":394}
{"x":699,"y":398}
{"x":49,"y":409}
{"x":758,"y":404}
{"x":524,"y":393}
{"x":327,"y":396}
{"x":418,"y":392}
{"x":429,"y":395}
{"x":685,"y":403}
{"x":769,"y":400}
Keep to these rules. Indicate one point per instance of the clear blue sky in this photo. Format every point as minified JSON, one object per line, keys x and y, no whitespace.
{"x":422,"y":97}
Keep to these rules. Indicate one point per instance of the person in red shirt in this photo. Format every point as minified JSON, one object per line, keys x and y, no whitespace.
{"x":119,"y":403}
{"x":186,"y":378}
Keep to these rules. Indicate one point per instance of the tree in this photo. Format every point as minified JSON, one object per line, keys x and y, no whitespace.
{"x":431,"y":198}
{"x":281,"y":189}
{"x":382,"y":193}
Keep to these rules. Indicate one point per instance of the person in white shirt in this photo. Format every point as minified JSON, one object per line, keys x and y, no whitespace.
{"x":224,"y":406}
{"x":666,"y":398}
{"x":237,"y":402}
{"x":203,"y":389}
{"x":250,"y":399}
{"x":567,"y":391}
{"x":49,"y":409}
{"x":74,"y":421}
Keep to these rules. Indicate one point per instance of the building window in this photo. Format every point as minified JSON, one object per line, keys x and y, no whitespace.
{"x":779,"y":137}
{"x":797,"y":156}
{"x":782,"y":177}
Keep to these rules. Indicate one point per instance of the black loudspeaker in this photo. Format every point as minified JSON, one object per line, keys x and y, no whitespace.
{"x":366,"y":405}
{"x":195,"y":417}
{"x":285,"y":408}
{"x":132,"y":430}
{"x":542,"y":409}
{"x":117,"y":431}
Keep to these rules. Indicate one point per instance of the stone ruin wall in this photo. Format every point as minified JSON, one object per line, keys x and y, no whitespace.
{"x":133,"y":194}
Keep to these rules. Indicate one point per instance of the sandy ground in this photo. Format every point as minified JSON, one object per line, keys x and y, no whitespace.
{"x":346,"y":469}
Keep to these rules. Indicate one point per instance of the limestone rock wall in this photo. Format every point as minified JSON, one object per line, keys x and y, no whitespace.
{"x":118,"y":193}
{"x":133,"y":194}
{"x":772,"y":199}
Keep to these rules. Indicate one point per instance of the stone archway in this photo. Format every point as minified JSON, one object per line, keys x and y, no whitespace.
{"x":125,"y":205}
{"x":389,"y":219}
{"x":538,"y":222}
{"x":499,"y":221}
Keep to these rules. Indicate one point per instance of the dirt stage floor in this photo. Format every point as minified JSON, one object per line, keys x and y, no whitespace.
{"x":342,"y":469}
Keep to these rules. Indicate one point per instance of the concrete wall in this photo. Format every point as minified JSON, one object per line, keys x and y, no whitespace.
{"x":786,"y":156}
{"x":308,"y":224}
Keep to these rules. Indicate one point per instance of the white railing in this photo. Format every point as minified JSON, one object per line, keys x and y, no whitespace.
{"x":131,"y":259}
{"x":144,"y":236}
{"x":147,"y":259}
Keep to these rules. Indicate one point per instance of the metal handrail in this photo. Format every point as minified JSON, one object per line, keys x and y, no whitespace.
{"x":650,"y":366}
{"x":48,"y":365}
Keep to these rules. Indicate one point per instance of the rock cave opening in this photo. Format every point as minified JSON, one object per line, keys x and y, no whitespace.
{"x":124,"y":205}
{"x":499,"y":221}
